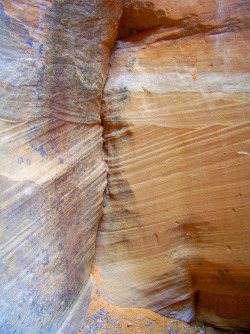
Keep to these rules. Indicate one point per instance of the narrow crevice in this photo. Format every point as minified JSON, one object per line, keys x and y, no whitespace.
{"x":106,"y":193}
{"x":107,"y":188}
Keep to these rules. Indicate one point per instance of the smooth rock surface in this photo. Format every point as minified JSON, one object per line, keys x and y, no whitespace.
{"x":54,"y":59}
{"x":175,"y":233}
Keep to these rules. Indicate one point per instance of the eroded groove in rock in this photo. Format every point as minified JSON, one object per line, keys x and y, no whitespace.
{"x":54,"y":62}
{"x":175,"y":232}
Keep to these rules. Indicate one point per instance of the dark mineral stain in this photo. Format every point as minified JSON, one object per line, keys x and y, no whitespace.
{"x":124,"y":92}
{"x":61,"y":160}
{"x":41,"y":150}
{"x":221,"y":272}
{"x":30,"y":42}
{"x":124,"y":97}
{"x":20,"y":160}
{"x":40,"y":50}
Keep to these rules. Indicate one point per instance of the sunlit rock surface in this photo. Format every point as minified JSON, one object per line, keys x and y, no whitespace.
{"x":175,"y":233}
{"x":53,"y":64}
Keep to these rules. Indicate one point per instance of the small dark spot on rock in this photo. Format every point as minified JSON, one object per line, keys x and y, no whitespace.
{"x":226,"y":270}
{"x":20,"y":160}
{"x":28,"y":161}
{"x":221,"y":272}
{"x":40,"y":49}
{"x":30,"y":42}
{"x":61,"y":160}
{"x":124,"y":97}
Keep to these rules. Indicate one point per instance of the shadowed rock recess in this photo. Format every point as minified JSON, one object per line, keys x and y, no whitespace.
{"x":173,"y":230}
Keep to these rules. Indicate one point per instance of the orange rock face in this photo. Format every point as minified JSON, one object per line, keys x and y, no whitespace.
{"x":175,"y":110}
{"x":175,"y":233}
{"x":54,"y":62}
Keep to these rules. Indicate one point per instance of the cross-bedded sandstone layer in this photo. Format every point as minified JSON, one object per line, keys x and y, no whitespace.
{"x":175,"y":233}
{"x":54,"y":62}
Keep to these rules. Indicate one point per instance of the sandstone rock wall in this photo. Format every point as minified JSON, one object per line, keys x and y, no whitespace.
{"x":54,"y":62}
{"x":175,"y":234}
{"x":175,"y":114}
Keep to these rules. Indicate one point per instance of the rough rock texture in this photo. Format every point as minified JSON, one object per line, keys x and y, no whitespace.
{"x":54,"y":61}
{"x":175,"y":233}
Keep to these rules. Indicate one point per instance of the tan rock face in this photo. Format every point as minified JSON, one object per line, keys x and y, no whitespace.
{"x":175,"y":233}
{"x":54,"y":62}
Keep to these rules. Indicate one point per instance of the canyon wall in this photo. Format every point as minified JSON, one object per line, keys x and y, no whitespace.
{"x":174,"y":116}
{"x":175,"y":233}
{"x":54,"y":61}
